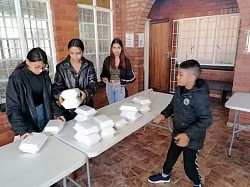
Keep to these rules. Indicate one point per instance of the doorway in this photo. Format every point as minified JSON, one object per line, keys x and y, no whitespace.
{"x":159,"y":56}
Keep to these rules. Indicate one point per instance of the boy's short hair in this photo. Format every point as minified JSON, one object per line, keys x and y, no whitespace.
{"x":192,"y":65}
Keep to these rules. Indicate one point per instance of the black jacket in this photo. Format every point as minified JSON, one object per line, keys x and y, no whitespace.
{"x":20,"y":108}
{"x":126,"y":75}
{"x":67,"y":78}
{"x":192,"y":113}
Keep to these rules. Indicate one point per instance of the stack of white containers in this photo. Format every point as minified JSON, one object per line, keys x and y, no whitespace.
{"x":130,"y":111}
{"x":119,"y":122}
{"x":106,"y":125}
{"x":84,"y":113}
{"x":144,"y":102}
{"x":87,"y":132}
{"x":71,"y":98}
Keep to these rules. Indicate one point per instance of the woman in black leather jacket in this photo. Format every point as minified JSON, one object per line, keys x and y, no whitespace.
{"x":28,"y":99}
{"x":74,"y":72}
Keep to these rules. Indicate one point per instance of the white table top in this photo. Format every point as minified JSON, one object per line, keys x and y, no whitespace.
{"x":239,"y":101}
{"x":53,"y":162}
{"x":159,"y":102}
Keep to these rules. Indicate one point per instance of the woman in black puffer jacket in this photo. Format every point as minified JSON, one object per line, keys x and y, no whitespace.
{"x":28,"y":99}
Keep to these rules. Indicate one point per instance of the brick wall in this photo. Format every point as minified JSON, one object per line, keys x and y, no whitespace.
{"x":177,"y":9}
{"x":130,"y":16}
{"x":6,"y":135}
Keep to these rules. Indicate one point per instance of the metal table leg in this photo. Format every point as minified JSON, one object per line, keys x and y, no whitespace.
{"x":88,"y":173}
{"x":236,"y":116}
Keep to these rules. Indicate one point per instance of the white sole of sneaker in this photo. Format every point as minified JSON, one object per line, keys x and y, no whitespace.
{"x":156,"y":182}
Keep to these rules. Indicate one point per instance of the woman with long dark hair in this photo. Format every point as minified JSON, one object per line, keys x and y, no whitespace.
{"x":117,"y":71}
{"x":74,"y":72}
{"x":28,"y":102}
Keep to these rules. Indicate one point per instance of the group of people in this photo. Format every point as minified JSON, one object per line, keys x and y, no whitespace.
{"x":32,"y":99}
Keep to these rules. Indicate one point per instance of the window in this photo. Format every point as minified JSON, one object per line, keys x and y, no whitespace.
{"x":95,"y":27}
{"x":211,"y":40}
{"x":24,"y":24}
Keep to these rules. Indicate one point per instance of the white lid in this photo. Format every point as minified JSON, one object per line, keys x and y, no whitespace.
{"x":80,"y":117}
{"x":54,"y":126}
{"x":130,"y":106}
{"x":107,"y":132}
{"x":88,"y":140}
{"x":33,"y":143}
{"x":70,"y":93}
{"x":141,"y":100}
{"x":85,"y":110}
{"x":71,"y":103}
{"x":119,"y":122}
{"x":86,"y":127}
{"x":104,"y":121}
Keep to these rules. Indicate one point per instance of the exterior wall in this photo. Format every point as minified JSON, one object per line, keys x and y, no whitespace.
{"x":130,"y":16}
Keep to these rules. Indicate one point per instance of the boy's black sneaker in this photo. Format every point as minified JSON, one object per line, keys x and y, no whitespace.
{"x":158,"y":178}
{"x":199,"y":185}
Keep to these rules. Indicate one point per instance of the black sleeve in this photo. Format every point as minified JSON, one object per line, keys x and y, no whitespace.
{"x":92,"y":83}
{"x":59,"y":85}
{"x":129,"y":75}
{"x":14,"y":108}
{"x":169,"y":110}
{"x":105,"y":69}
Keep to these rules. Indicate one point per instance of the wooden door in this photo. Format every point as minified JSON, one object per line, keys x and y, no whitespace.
{"x":159,"y":56}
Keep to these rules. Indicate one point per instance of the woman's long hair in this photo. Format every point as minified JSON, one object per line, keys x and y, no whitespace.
{"x":122,"y":64}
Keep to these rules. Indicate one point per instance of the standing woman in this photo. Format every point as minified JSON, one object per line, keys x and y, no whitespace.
{"x":28,"y":102}
{"x":74,"y":72}
{"x":117,"y":71}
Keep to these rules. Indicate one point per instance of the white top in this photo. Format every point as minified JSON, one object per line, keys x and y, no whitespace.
{"x":239,"y":101}
{"x":159,"y":102}
{"x":53,"y":162}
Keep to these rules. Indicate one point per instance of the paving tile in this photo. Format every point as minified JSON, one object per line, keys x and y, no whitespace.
{"x":130,"y":162}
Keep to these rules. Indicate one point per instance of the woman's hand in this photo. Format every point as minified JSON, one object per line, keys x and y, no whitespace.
{"x":158,"y":119}
{"x":62,"y":118}
{"x":105,"y":80}
{"x":60,"y":99}
{"x":82,"y":96}
{"x":25,"y":136}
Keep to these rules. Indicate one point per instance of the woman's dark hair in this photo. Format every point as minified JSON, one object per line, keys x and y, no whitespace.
{"x":76,"y":43}
{"x":122,"y":64}
{"x":37,"y":54}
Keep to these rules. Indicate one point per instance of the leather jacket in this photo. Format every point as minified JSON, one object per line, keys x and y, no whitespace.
{"x":67,"y":78}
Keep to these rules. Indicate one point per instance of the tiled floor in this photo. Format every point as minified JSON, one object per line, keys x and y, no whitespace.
{"x":130,"y":162}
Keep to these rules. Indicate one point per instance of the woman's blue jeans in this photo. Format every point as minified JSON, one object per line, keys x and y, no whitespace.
{"x":41,"y":116}
{"x":116,"y":93}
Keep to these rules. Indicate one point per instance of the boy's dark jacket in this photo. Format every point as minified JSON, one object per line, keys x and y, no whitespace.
{"x":20,"y":107}
{"x":192,"y":113}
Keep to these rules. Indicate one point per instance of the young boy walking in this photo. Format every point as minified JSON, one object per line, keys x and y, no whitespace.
{"x":192,"y":114}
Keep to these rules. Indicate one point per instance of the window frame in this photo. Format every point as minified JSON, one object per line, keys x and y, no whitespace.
{"x":178,"y":34}
{"x":23,"y":46}
{"x":98,"y":63}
